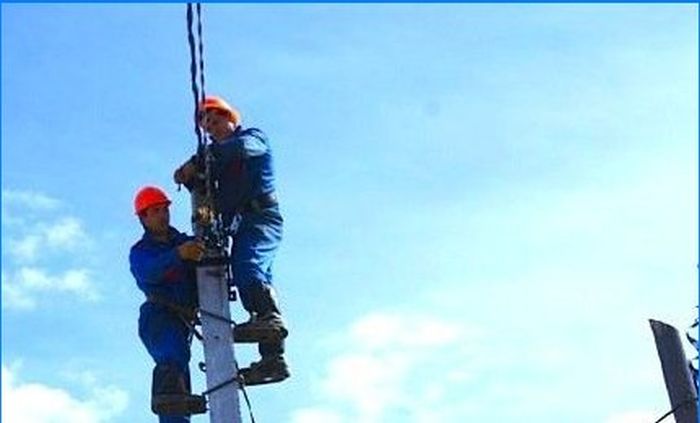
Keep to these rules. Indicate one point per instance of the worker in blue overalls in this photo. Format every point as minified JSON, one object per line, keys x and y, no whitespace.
{"x":244,"y":174}
{"x":162,"y":263}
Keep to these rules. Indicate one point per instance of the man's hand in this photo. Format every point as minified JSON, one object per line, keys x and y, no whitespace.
{"x":191,"y":250}
{"x":185,"y":173}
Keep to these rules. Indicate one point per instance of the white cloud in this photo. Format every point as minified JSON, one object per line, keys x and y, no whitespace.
{"x":24,"y":249}
{"x":21,"y":206}
{"x":31,"y":199}
{"x":369,"y":382}
{"x":14,"y":296}
{"x":65,"y":234}
{"x":76,"y":281}
{"x":34,"y":279}
{"x":21,"y":290}
{"x":24,"y":402}
{"x":418,"y":367}
{"x":35,"y":239}
{"x":389,"y":360}
{"x":316,"y":415}
{"x":379,"y":330}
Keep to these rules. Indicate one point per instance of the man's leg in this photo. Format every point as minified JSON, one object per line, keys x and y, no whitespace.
{"x":167,"y":340}
{"x":170,"y":396}
{"x":254,"y":250}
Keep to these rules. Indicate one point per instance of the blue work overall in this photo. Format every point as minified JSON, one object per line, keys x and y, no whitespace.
{"x":161,"y":274}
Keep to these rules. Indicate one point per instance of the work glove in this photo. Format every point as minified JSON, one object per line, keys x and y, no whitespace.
{"x":191,"y":250}
{"x":190,"y":176}
{"x":185,"y":173}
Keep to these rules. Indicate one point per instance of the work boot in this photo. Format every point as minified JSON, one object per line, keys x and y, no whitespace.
{"x":266,"y":324}
{"x":170,"y":393}
{"x":267,"y":370}
{"x":268,"y":328}
{"x":178,"y":404}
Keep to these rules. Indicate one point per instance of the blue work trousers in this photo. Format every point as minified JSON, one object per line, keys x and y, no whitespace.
{"x":255,"y":244}
{"x":168,"y":341}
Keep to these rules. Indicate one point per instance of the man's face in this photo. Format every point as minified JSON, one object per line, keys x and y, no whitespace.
{"x":157,"y":219}
{"x":216,"y":123}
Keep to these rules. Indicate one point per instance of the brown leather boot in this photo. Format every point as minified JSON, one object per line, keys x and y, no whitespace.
{"x":170,"y":393}
{"x":261,"y":329}
{"x":178,"y":404}
{"x":267,"y":370}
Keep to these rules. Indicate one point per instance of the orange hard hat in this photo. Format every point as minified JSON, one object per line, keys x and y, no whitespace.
{"x":217,"y":103}
{"x":149,"y":196}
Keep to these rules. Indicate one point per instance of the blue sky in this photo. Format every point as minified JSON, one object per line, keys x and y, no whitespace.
{"x":484,"y":203}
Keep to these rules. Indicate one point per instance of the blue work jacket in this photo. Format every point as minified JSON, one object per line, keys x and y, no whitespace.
{"x":159,"y":270}
{"x":243,"y":168}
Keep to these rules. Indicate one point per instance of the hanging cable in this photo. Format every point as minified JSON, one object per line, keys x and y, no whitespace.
{"x":201,"y":52}
{"x":210,"y":225}
{"x":196,"y":92}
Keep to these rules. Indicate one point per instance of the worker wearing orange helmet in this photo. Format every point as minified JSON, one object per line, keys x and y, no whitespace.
{"x":162,"y":263}
{"x":244,"y":172}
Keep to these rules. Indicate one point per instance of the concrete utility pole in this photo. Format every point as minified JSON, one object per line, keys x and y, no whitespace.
{"x":215,"y":314}
{"x":679,"y":382}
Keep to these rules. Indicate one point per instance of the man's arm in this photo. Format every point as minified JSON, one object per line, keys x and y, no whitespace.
{"x":151,"y":268}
